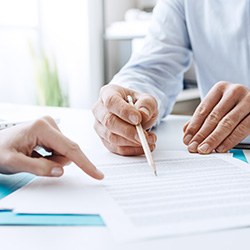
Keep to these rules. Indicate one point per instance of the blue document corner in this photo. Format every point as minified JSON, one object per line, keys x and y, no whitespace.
{"x":239,"y":154}
{"x":10,"y":183}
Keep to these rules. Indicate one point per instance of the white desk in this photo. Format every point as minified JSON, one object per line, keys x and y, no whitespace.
{"x":77,"y":124}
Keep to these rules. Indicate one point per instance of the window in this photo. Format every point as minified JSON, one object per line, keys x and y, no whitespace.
{"x":70,"y":31}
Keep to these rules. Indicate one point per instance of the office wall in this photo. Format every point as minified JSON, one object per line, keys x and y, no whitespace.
{"x":118,"y":52}
{"x":145,"y":3}
{"x":114,"y":9}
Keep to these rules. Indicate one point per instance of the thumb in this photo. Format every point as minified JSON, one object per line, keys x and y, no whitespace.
{"x":115,"y":100}
{"x":148,"y":107}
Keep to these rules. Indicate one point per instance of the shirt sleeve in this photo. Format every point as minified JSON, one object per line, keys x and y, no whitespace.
{"x":159,"y":66}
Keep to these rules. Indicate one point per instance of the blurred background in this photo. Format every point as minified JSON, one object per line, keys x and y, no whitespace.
{"x":60,"y":52}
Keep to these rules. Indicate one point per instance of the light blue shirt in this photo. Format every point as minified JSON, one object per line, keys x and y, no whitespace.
{"x":216,"y":33}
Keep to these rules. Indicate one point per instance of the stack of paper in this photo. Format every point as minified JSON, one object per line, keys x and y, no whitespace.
{"x":191,"y":194}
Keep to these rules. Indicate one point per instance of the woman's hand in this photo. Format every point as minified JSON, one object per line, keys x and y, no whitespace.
{"x":17,"y":153}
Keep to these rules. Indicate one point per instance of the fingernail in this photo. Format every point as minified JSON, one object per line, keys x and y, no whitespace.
{"x":56,"y":172}
{"x":151,"y":139}
{"x":220,"y":149}
{"x":193,"y":147}
{"x":187,"y":139}
{"x":145,"y":111}
{"x":134,"y":119}
{"x":204,"y":148}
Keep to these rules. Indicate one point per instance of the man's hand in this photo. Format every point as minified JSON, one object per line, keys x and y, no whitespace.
{"x":221,"y":121}
{"x":17,"y":146}
{"x":116,"y":119}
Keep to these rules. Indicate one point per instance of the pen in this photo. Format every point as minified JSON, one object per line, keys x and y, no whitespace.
{"x":144,"y":142}
{"x":8,"y":124}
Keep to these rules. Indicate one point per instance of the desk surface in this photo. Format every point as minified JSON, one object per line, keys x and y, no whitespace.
{"x":78,"y":125}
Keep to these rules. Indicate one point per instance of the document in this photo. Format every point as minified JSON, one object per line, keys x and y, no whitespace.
{"x":73,"y":193}
{"x":191,"y":194}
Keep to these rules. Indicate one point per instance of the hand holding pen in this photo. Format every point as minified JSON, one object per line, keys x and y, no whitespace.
{"x":116,"y":119}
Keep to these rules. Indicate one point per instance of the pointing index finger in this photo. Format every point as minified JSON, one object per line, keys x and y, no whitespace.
{"x":52,"y":138}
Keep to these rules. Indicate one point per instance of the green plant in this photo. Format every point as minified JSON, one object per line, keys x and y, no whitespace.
{"x":49,"y":89}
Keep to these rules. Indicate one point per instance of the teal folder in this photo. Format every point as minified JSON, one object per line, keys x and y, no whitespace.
{"x":10,"y":183}
{"x":8,"y":218}
{"x":239,"y":154}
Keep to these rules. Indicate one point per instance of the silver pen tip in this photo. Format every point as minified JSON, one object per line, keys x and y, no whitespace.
{"x":155,"y":172}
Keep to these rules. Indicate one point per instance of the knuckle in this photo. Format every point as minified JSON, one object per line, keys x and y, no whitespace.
{"x":192,"y":129}
{"x":112,"y":138}
{"x":213,"y":140}
{"x":39,"y":124}
{"x":221,"y":85}
{"x":155,"y":116}
{"x":239,"y":87}
{"x":110,"y":101}
{"x":149,"y":100}
{"x":48,"y":118}
{"x":103,"y":89}
{"x":214,"y":117}
{"x":202,"y":111}
{"x":73,"y":147}
{"x":109,"y":120}
{"x":123,"y":112}
{"x":199,"y":137}
{"x":41,"y":171}
{"x":242,"y":130}
{"x":227,"y":124}
{"x":129,"y":131}
{"x":237,"y":91}
{"x":231,"y":141}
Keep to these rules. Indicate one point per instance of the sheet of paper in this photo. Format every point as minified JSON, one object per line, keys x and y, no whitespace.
{"x":191,"y":194}
{"x":73,"y":193}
